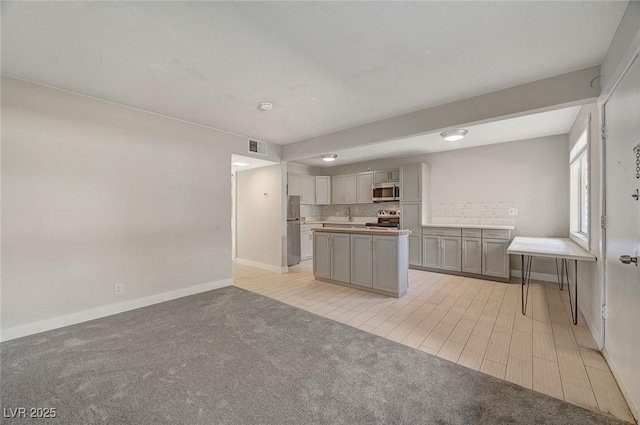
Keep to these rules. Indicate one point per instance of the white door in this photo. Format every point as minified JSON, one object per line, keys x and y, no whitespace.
{"x":622,"y":335}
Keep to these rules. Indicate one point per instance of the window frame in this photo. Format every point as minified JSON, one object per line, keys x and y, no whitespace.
{"x":576,"y":153}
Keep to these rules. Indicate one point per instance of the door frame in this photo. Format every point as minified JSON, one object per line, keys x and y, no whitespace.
{"x":604,"y":98}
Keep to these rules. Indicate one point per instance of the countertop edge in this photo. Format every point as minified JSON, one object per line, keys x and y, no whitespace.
{"x":363,"y":231}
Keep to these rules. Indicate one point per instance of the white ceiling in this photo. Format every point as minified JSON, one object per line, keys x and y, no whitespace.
{"x":325,"y":65}
{"x":512,"y":129}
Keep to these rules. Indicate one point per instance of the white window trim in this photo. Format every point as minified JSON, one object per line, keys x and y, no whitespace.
{"x":577,"y":236}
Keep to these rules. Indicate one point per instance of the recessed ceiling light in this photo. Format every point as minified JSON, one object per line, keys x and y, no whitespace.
{"x":329,"y":156}
{"x":454,"y":135}
{"x":240,"y":164}
{"x":265,"y":106}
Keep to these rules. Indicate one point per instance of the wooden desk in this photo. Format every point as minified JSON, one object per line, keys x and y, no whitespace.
{"x":562,"y":250}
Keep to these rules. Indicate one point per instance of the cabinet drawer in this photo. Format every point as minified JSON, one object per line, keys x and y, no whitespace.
{"x":441,"y":231}
{"x":496,"y":234}
{"x":471,"y":233}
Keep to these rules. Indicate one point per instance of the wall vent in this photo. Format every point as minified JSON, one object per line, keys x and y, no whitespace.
{"x":257,"y":147}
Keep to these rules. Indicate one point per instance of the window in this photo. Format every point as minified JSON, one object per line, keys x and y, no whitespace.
{"x":579,"y":176}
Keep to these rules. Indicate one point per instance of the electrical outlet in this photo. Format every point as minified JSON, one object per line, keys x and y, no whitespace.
{"x":513,"y":211}
{"x":118,"y":289}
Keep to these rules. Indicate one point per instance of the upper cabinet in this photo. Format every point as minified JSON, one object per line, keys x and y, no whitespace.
{"x":343,"y":189}
{"x":364,"y":190}
{"x":303,"y":186}
{"x":323,"y":190}
{"x":386,"y":176}
{"x":415,"y":183}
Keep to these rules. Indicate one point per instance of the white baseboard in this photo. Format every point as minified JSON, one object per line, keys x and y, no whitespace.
{"x":546,"y":277}
{"x":263,"y":266}
{"x":107,"y":310}
{"x":635,"y":411}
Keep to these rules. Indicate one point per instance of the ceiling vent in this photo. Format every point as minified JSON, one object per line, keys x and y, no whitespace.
{"x":258,"y":147}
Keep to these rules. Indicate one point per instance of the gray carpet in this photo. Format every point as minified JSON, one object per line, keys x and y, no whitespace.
{"x":234,"y":357}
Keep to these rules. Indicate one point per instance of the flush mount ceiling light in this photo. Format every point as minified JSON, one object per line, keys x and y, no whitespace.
{"x":329,"y":156}
{"x":240,"y":164}
{"x":454,"y":135}
{"x":265,"y":106}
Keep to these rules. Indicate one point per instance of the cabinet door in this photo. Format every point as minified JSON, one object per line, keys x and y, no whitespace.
{"x":350,"y":185}
{"x":410,"y":185}
{"x":308,"y":190}
{"x":323,"y":190}
{"x":415,"y":250}
{"x":322,"y":255}
{"x":340,"y":257}
{"x":495,"y":261}
{"x":293,"y":184}
{"x":472,"y":255}
{"x":362,"y":260}
{"x":305,"y":244}
{"x":431,"y":251}
{"x":381,"y":176}
{"x":364,"y":193}
{"x":451,"y":253}
{"x":385,"y":263}
{"x":337,"y":190}
{"x":394,"y":175}
{"x":410,"y":217}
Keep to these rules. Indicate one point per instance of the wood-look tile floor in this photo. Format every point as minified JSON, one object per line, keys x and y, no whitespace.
{"x":475,"y":323}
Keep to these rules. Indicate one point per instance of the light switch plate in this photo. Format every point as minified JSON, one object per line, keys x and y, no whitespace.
{"x":513,"y":211}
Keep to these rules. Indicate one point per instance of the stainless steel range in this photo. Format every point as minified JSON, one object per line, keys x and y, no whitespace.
{"x":389,"y":219}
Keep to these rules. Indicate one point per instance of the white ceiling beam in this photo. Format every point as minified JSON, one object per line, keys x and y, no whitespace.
{"x":564,"y":90}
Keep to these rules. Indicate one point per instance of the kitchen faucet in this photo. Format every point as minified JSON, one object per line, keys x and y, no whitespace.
{"x":349,"y":213}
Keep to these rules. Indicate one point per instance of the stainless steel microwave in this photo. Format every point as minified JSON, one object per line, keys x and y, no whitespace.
{"x":383,"y":192}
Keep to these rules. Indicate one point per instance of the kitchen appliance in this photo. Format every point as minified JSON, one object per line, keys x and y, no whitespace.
{"x":293,"y":230}
{"x":384,"y":192}
{"x":386,"y":220}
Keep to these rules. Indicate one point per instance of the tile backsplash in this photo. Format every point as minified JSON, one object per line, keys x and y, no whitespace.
{"x":358,"y":210}
{"x":497,"y":209}
{"x":311,"y":210}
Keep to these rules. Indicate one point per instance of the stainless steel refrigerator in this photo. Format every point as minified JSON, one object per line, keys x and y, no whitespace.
{"x":293,"y":230}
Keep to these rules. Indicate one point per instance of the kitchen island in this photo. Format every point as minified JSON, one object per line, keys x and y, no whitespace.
{"x":368,"y":259}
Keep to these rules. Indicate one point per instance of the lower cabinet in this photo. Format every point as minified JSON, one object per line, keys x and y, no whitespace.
{"x":362,"y":260}
{"x":495,"y":260}
{"x":442,"y":252}
{"x":385,"y":263}
{"x":322,"y":255}
{"x":472,"y":255}
{"x":368,"y":261}
{"x":415,"y":250}
{"x":306,"y":244}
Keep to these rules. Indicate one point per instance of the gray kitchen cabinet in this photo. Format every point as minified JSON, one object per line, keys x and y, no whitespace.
{"x":415,"y":250}
{"x":364,"y":191}
{"x":323,"y":190}
{"x":442,"y":251}
{"x":495,"y":260}
{"x":386,"y":176}
{"x":307,"y":190}
{"x":362,"y":260}
{"x":322,"y":255}
{"x":293,"y":184}
{"x":385,"y":263}
{"x":431,"y":251}
{"x":472,"y":255}
{"x":450,"y":253}
{"x":411,"y":219}
{"x":343,"y":189}
{"x":415,"y":185}
{"x":340,"y":257}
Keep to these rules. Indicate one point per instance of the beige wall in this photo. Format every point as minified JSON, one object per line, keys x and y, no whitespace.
{"x":259,"y":234}
{"x":95,"y":194}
